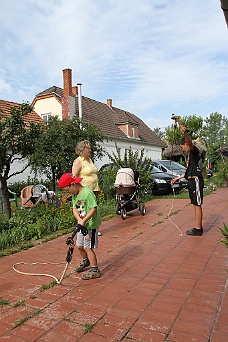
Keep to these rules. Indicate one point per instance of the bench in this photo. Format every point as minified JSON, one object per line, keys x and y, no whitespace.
{"x":13,"y":198}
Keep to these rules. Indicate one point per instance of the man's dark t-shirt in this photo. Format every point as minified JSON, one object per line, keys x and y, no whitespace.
{"x":194,"y":164}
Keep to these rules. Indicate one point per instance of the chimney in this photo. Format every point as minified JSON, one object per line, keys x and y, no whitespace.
{"x":67,"y":82}
{"x":68,"y":101}
{"x":75,"y":90}
{"x":109,"y":102}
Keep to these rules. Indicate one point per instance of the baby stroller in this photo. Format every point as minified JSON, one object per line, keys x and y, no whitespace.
{"x":127,"y":192}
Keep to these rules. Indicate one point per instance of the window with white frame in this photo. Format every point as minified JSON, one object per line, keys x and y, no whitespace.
{"x":46,"y":117}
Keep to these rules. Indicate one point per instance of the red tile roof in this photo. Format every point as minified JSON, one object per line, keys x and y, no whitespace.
{"x":5,"y":108}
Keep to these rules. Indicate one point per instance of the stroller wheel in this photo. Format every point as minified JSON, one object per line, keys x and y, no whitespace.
{"x":142,"y":209}
{"x":123,"y":213}
{"x":118,"y":211}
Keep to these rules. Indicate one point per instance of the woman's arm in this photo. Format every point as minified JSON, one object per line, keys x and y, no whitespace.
{"x":76,"y":168}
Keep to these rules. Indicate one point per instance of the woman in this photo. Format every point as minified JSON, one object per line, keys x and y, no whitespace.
{"x":83,"y":167}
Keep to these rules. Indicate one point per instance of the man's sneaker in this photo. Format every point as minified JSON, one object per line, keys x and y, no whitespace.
{"x":83,"y":264}
{"x":195,"y":232}
{"x":91,"y":274}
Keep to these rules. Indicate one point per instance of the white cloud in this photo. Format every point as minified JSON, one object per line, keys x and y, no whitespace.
{"x":4,"y":87}
{"x":150,"y":56}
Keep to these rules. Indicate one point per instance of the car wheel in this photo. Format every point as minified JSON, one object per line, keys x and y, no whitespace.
{"x":117,"y":210}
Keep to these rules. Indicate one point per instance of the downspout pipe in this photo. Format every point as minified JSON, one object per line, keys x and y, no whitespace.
{"x":79,"y":100}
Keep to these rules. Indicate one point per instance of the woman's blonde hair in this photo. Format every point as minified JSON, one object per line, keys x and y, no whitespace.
{"x":80,"y":146}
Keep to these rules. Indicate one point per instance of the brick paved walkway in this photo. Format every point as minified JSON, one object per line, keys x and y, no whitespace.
{"x":156,"y":285}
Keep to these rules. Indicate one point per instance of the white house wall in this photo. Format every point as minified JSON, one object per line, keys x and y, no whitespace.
{"x":153,"y":152}
{"x":21,"y":177}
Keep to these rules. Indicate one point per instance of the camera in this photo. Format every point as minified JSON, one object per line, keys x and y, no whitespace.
{"x":81,"y":228}
{"x":70,"y":241}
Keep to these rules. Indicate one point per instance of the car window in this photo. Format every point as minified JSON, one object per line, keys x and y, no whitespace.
{"x":171,"y":165}
{"x":156,"y":170}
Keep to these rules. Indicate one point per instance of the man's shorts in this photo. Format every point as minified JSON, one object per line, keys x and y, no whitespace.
{"x":88,"y":241}
{"x":195,"y":189}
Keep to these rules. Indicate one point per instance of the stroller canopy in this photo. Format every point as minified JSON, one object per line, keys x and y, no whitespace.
{"x":125,"y":177}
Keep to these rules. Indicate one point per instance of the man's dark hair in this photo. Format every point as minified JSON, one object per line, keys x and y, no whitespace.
{"x":183,"y":141}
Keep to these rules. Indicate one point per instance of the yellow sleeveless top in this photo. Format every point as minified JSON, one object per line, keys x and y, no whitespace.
{"x":89,"y":174}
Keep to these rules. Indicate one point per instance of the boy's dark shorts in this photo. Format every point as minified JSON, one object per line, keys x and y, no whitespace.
{"x":195,"y":190}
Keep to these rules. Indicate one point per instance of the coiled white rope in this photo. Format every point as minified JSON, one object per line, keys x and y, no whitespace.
{"x":170,"y":212}
{"x":58,"y":281}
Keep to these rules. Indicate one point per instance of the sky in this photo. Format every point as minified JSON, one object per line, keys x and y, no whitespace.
{"x":151,"y":57}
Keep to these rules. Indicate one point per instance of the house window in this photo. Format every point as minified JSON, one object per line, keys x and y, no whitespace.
{"x":129,"y":130}
{"x":46,"y":117}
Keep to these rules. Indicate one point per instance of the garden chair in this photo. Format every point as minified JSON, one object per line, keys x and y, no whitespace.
{"x":26,"y":197}
{"x":32,"y":194}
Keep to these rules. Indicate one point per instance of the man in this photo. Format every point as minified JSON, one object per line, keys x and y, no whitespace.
{"x":195,"y":180}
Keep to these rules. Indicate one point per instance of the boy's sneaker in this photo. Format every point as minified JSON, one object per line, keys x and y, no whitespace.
{"x":195,"y":232}
{"x":91,"y":274}
{"x":83,"y":264}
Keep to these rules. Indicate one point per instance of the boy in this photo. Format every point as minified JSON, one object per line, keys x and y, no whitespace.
{"x":87,"y":214}
{"x":195,"y":180}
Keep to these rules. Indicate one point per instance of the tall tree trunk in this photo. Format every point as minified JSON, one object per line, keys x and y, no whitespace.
{"x":53,"y":178}
{"x":5,"y":195}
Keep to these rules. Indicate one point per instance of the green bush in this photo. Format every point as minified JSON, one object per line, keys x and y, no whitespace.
{"x":106,"y":181}
{"x":224,"y":232}
{"x":41,"y":220}
{"x":222,"y":170}
{"x":4,"y":222}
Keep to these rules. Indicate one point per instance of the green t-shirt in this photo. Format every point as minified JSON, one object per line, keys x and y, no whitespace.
{"x":85,"y":201}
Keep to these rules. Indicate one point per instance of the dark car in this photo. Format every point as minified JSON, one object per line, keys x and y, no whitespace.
{"x":173,"y":168}
{"x":161,"y":183}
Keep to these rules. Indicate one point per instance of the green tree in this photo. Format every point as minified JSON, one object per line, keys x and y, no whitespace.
{"x":56,"y":151}
{"x":159,"y":133}
{"x":194,"y":125}
{"x":18,"y":139}
{"x":214,"y":133}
